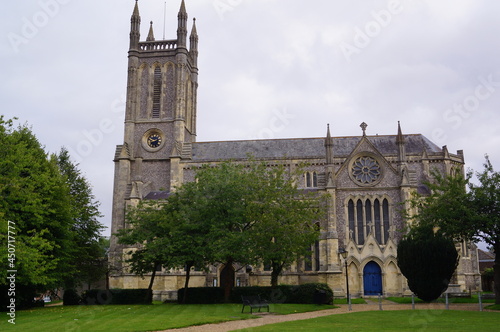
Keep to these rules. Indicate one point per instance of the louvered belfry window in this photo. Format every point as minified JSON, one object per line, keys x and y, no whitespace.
{"x":157,"y":93}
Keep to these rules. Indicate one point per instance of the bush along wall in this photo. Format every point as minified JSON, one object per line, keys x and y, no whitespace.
{"x":313,"y":293}
{"x":201,"y":295}
{"x":117,"y":296}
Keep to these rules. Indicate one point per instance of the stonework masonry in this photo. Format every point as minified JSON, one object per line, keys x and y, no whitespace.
{"x":368,"y":178}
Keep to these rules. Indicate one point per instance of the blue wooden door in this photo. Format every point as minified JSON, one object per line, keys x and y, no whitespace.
{"x":372,"y":279}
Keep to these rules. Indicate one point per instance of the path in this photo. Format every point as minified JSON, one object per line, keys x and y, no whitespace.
{"x":265,"y":318}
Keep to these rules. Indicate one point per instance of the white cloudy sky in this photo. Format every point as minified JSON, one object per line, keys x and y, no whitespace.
{"x":268,"y":68}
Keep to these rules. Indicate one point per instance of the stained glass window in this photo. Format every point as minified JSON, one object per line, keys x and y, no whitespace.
{"x":366,"y":170}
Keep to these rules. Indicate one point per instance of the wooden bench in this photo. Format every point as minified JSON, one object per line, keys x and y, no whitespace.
{"x":254,"y":301}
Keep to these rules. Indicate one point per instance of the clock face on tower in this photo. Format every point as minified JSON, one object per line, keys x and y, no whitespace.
{"x":154,"y":140}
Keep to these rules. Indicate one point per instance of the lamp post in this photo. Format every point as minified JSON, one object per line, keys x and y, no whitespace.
{"x":344,"y":253}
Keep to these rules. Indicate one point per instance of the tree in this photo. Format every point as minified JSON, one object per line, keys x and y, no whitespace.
{"x":85,"y":229}
{"x":428,"y":260}
{"x":470,"y":215}
{"x":146,"y":233}
{"x":256,"y":214}
{"x":39,"y":206}
{"x":164,"y":236}
{"x":244,"y":213}
{"x":286,"y":216}
{"x":486,"y":202}
{"x":34,"y":200}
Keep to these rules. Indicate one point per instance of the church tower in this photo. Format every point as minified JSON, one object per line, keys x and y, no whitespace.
{"x":160,"y":115}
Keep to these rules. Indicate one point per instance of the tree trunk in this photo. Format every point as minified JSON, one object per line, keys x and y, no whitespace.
{"x":227,"y":279}
{"x":189,"y":265}
{"x":150,"y":287}
{"x":496,"y":273}
{"x":277,"y":269}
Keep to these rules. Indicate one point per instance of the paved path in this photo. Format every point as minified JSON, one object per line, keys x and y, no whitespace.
{"x":265,"y":318}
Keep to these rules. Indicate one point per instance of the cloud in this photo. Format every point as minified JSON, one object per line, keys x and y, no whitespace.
{"x":260,"y":60}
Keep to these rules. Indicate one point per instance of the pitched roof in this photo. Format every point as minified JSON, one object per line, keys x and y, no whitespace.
{"x":485,"y":256}
{"x":304,"y":148}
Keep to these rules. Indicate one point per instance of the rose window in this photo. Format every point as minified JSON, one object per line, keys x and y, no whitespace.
{"x":366,"y":170}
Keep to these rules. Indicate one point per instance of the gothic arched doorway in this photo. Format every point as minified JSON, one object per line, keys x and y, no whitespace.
{"x":372,"y":279}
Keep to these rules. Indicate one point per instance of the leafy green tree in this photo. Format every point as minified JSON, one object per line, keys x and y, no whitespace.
{"x":164,"y":235}
{"x":85,"y":229}
{"x":38,"y":206}
{"x":486,"y":202}
{"x":256,"y":214}
{"x":428,"y":260}
{"x":286,"y":216}
{"x":244,"y":213}
{"x":34,"y":200}
{"x":470,"y":215}
{"x":146,"y":233}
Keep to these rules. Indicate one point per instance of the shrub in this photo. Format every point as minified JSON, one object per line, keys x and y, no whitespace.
{"x":24,"y":297}
{"x":428,"y":260}
{"x":280,"y":294}
{"x":117,"y":296}
{"x":202,"y":295}
{"x":316,"y":293}
{"x":96,"y":296}
{"x":71,"y":297}
{"x":304,"y":294}
{"x":131,"y":296}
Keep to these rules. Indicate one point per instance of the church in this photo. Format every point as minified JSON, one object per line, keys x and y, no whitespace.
{"x":368,"y":179}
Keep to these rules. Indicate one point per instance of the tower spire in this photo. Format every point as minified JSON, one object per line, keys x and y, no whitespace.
{"x":400,"y":138}
{"x":400,"y":141}
{"x":151,"y":36}
{"x":329,"y":146}
{"x":193,"y":43}
{"x":182,"y":26}
{"x":135,"y":27}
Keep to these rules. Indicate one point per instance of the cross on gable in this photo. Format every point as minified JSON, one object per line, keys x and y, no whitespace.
{"x":363,"y":127}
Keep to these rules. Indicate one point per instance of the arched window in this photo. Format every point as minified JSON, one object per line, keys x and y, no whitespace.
{"x":311,"y":180}
{"x":312,"y":261}
{"x":156,"y":93}
{"x":360,"y":223}
{"x":367,"y":217}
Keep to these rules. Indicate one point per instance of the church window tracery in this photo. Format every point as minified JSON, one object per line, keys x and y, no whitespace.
{"x":368,"y":216}
{"x":365,"y":170}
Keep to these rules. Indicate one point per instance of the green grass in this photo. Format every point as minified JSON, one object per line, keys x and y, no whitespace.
{"x":353,"y":301}
{"x":411,"y":320}
{"x":493,"y":307}
{"x":135,"y":317}
{"x":403,"y":300}
{"x":473,"y":299}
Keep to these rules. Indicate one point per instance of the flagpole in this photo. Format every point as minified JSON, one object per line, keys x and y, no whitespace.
{"x":164,"y":19}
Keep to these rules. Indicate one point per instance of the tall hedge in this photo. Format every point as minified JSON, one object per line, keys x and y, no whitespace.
{"x":428,"y":260}
{"x":307,"y":293}
{"x":117,"y":296}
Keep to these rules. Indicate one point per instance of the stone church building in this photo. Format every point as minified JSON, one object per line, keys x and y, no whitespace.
{"x":368,"y":178}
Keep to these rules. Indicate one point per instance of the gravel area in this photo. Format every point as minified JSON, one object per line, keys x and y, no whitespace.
{"x":269,"y":318}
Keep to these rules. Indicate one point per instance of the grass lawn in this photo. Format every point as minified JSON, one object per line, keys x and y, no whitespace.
{"x":493,"y":307}
{"x":473,"y":299}
{"x":353,"y":301}
{"x":411,"y":320}
{"x":123,"y":318}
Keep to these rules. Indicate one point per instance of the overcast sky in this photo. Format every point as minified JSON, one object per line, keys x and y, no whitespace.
{"x":268,"y":69}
